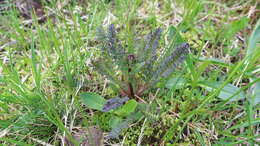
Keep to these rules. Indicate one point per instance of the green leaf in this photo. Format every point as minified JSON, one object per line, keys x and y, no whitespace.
{"x":114,"y":121}
{"x":174,"y":36}
{"x":92,"y":100}
{"x":253,"y":40}
{"x":235,"y":27}
{"x":127,"y":108}
{"x":176,"y":83}
{"x":245,"y":124}
{"x":256,"y":94}
{"x":214,"y":61}
{"x":192,"y":9}
{"x":228,"y":90}
{"x":13,"y":141}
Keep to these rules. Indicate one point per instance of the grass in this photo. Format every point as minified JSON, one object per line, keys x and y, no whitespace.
{"x":49,"y":64}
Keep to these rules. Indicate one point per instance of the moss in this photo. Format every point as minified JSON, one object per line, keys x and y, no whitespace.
{"x":102,"y":120}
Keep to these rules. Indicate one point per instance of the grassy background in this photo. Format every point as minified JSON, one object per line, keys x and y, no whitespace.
{"x":48,"y":65}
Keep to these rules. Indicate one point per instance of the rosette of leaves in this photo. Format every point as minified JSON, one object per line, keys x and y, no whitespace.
{"x":133,"y":73}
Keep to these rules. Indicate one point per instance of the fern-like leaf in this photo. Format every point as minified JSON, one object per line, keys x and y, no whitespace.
{"x":150,"y":50}
{"x":138,"y":70}
{"x":170,"y":63}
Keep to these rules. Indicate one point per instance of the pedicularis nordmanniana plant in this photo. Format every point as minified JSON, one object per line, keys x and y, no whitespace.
{"x":133,"y":72}
{"x":136,"y":72}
